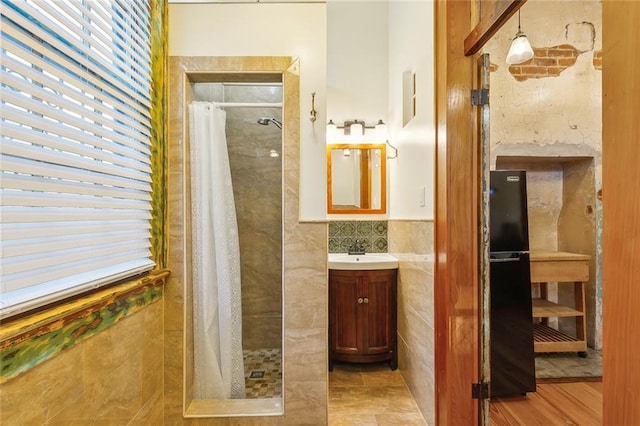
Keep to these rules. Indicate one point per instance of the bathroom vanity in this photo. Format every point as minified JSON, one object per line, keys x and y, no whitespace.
{"x":362,"y":314}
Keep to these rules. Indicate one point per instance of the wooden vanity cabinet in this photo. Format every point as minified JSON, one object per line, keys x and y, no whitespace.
{"x":363,"y":316}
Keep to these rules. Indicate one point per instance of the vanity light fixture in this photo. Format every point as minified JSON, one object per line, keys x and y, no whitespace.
{"x":520,"y":50}
{"x":381,"y":129}
{"x":332,"y":131}
{"x":349,"y":128}
{"x":356,"y":128}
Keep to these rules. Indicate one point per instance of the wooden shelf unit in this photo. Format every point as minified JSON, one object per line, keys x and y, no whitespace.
{"x":565,"y":269}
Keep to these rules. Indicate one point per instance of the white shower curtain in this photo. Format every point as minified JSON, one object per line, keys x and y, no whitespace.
{"x":217,"y":310}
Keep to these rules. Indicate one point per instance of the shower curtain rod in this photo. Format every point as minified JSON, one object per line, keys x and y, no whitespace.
{"x":250,"y":104}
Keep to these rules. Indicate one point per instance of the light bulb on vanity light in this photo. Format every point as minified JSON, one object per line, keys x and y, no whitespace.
{"x":381,"y":130}
{"x":356,"y":130}
{"x":332,"y":130}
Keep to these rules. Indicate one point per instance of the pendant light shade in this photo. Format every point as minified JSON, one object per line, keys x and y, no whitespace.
{"x":520,"y":50}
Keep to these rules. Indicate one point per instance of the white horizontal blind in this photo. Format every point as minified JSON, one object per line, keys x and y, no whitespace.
{"x":75,"y":175}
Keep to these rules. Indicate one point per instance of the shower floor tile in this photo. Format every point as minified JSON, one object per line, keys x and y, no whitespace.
{"x":263,"y":373}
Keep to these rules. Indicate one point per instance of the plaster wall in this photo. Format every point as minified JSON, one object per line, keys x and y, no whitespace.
{"x":404,"y":45}
{"x":550,"y":124}
{"x":371,"y":45}
{"x":411,"y":195}
{"x":357,"y":53}
{"x":269,"y":29}
{"x":411,"y":49}
{"x":551,"y":111}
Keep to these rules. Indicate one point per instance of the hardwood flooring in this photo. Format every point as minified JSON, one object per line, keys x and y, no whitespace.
{"x":374,"y":395}
{"x":575,"y":403}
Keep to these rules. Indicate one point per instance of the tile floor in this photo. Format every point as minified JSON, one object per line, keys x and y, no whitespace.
{"x":370,"y":394}
{"x":263,"y":373}
{"x":568,"y":365}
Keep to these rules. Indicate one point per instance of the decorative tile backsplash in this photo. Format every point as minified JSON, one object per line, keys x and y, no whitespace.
{"x":371,"y":233}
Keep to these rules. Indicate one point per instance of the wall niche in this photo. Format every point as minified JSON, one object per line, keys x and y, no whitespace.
{"x":561,"y":195}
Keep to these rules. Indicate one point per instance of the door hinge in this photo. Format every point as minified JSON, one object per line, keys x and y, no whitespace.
{"x":480,"y":97}
{"x":480,"y":390}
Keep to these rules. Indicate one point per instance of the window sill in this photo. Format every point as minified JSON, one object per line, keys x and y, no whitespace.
{"x":28,"y":341}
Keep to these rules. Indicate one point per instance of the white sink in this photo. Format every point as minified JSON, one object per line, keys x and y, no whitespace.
{"x":367,"y":261}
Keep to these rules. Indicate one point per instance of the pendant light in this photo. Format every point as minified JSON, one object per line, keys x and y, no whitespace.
{"x":520,"y":50}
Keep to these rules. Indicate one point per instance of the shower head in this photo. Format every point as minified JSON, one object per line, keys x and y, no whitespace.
{"x":266,"y":120}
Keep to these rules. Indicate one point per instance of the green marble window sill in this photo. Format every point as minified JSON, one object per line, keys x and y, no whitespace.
{"x":30,"y":340}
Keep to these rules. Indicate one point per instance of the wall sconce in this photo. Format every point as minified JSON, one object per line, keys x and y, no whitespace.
{"x":520,"y":50}
{"x":313,"y":111}
{"x":355,"y":129}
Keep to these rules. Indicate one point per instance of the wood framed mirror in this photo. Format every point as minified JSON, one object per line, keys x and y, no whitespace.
{"x":356,"y":178}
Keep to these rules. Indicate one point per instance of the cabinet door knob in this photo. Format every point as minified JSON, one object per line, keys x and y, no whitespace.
{"x":360,"y":300}
{"x":366,"y":300}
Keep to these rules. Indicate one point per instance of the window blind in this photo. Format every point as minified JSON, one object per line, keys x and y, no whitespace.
{"x":75,"y":175}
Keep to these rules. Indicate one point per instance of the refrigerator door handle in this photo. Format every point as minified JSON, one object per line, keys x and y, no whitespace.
{"x":504,"y":260}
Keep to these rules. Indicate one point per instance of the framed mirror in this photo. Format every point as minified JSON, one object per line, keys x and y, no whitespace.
{"x":356,"y":178}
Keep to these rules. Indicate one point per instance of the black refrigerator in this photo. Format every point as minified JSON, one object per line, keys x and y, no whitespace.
{"x":511,"y":339}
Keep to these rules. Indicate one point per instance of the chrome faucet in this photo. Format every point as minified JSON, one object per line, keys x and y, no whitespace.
{"x":356,"y":248}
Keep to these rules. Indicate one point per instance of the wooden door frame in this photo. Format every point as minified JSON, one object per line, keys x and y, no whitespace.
{"x":457,"y":271}
{"x":621,"y":218}
{"x":456,"y":226}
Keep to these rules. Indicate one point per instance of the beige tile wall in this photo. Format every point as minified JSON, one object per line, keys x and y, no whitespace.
{"x":114,"y":377}
{"x":413,"y":244}
{"x":305,"y":253}
{"x":257,"y":187}
{"x":257,"y":191}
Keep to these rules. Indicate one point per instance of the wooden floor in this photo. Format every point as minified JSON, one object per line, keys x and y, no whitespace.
{"x":376,"y":396}
{"x":577,"y":403}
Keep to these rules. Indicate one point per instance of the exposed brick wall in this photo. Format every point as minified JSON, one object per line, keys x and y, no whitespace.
{"x":546,"y":62}
{"x":597,"y":60}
